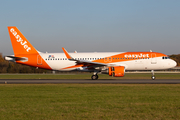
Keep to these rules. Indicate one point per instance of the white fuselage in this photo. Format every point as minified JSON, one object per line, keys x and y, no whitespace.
{"x":59,"y":61}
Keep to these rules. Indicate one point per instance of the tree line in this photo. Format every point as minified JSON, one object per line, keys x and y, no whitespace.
{"x":11,"y":67}
{"x":176,"y":58}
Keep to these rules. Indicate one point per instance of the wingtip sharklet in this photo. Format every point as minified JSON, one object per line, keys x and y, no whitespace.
{"x":67,"y":54}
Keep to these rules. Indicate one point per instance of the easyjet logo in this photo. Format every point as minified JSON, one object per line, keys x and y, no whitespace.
{"x":20,"y":40}
{"x":136,"y":55}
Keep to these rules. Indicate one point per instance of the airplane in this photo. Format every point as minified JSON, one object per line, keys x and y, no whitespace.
{"x":112,"y":63}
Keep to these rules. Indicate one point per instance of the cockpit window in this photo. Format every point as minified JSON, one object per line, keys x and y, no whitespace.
{"x":165,"y":57}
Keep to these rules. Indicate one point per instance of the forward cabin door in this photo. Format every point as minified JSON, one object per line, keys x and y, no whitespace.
{"x":153,"y":58}
{"x":39,"y":60}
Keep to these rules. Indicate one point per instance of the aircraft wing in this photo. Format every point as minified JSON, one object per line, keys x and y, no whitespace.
{"x":86,"y":63}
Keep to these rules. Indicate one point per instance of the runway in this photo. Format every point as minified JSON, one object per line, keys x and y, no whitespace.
{"x":89,"y":81}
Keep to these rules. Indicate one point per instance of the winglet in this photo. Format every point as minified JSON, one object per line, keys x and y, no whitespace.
{"x":67,"y":54}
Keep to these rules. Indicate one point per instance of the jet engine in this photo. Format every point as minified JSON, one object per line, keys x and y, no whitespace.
{"x":116,"y":71}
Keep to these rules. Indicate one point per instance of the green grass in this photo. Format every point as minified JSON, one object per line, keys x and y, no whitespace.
{"x":88,"y":76}
{"x":89,"y":101}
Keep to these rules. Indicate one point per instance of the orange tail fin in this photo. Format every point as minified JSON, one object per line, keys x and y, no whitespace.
{"x":19,"y":43}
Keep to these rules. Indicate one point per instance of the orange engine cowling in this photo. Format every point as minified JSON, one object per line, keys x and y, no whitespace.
{"x":117,"y":71}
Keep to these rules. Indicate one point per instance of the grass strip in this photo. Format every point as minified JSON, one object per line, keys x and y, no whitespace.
{"x":89,"y":101}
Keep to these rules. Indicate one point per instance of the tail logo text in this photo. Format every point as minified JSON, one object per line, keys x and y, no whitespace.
{"x":20,"y":40}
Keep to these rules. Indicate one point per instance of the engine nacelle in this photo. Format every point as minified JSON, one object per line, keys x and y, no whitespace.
{"x":117,"y":71}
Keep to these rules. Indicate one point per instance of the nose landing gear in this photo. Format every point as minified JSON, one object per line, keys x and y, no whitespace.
{"x":153,"y":77}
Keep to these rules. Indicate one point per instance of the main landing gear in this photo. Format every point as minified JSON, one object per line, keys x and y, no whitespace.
{"x":153,"y":77}
{"x":94,"y":77}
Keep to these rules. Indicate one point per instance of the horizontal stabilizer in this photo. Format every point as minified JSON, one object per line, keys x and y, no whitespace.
{"x":13,"y":58}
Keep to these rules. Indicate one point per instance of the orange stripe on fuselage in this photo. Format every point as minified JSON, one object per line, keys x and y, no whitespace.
{"x":129,"y":56}
{"x":123,"y":57}
{"x":75,"y":66}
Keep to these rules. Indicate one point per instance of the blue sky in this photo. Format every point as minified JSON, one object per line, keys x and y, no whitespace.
{"x":93,"y":25}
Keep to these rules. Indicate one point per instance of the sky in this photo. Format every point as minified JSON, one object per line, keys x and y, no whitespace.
{"x":93,"y":25}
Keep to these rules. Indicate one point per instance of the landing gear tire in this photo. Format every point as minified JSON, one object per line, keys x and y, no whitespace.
{"x":153,"y":77}
{"x":94,"y":77}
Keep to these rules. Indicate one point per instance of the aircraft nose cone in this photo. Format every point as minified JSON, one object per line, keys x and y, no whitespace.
{"x":173,"y":63}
